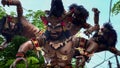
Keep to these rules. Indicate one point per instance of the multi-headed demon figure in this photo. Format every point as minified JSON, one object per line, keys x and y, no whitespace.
{"x":59,"y":42}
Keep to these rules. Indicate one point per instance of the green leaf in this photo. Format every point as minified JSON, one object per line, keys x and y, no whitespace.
{"x":116,"y":8}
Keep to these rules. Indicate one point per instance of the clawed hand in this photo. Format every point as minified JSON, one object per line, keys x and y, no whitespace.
{"x":95,"y":10}
{"x":5,"y":2}
{"x":78,"y":62}
{"x":18,"y":60}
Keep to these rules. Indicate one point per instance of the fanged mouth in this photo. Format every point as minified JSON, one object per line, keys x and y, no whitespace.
{"x":54,"y":34}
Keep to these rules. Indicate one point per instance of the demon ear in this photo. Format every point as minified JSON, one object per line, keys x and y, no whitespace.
{"x":44,"y":20}
{"x":57,"y":8}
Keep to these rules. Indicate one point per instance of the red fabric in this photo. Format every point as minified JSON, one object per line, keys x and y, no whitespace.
{"x":82,"y":40}
{"x":9,"y":18}
{"x":63,"y":23}
{"x":20,"y":54}
{"x":35,"y":42}
{"x":44,"y":20}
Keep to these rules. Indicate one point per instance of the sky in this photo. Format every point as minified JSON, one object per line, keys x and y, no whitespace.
{"x":102,"y":5}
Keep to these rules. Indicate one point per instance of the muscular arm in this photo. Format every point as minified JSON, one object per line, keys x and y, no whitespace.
{"x":96,"y":23}
{"x":34,"y":43}
{"x":21,"y":53}
{"x":90,"y":28}
{"x":96,"y":20}
{"x":96,"y":16}
{"x":114,"y":50}
{"x":24,"y":48}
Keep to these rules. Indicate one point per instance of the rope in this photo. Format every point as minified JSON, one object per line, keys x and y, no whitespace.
{"x":103,"y":61}
{"x":110,"y":10}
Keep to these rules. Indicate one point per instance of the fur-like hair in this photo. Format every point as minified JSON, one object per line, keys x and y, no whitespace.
{"x":80,"y":14}
{"x":83,"y":12}
{"x":57,"y":8}
{"x":110,"y":34}
{"x":108,"y":26}
{"x":72,"y":6}
{"x":109,"y":37}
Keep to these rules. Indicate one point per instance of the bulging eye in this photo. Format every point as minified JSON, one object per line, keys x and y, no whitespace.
{"x":49,"y":24}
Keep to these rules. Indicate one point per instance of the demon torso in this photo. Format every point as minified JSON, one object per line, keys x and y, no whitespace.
{"x":59,"y":53}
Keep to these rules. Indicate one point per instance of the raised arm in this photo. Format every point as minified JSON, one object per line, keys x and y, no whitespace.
{"x":14,"y":3}
{"x":96,"y":19}
{"x":96,"y":22}
{"x":96,"y":16}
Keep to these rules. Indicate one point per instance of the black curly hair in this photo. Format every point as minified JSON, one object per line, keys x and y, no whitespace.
{"x":72,"y":6}
{"x":80,"y":14}
{"x":109,"y":37}
{"x":57,"y":8}
{"x":110,"y":34}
